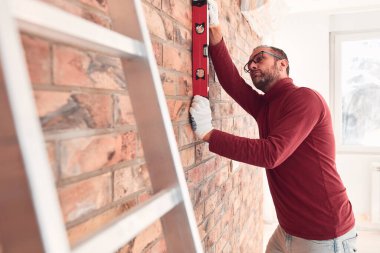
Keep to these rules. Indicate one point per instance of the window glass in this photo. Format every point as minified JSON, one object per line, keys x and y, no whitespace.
{"x":360,"y":92}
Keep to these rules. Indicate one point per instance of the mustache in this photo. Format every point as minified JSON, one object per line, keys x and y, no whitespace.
{"x":254,"y":72}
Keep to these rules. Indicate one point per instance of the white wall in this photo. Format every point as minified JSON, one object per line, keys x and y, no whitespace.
{"x":305,"y":38}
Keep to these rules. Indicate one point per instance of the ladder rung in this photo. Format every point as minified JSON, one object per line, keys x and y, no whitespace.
{"x":50,"y":22}
{"x":132,"y":223}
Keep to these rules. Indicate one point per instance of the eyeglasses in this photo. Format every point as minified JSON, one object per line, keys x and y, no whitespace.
{"x":257,"y":58}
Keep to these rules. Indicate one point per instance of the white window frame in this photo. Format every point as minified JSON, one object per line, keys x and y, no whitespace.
{"x":336,"y":39}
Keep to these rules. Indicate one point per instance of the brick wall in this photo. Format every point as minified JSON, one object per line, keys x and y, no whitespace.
{"x":94,"y":146}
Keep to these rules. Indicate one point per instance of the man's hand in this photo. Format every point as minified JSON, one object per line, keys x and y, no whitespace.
{"x":200,"y":116}
{"x":213,"y":16}
{"x":213,"y":13}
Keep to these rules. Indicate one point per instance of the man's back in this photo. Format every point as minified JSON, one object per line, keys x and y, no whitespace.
{"x":309,"y":196}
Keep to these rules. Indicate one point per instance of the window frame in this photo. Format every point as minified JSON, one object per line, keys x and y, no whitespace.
{"x":336,"y":39}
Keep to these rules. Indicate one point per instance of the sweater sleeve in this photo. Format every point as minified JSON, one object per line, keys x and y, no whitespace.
{"x":301,"y":113}
{"x":231,"y":81}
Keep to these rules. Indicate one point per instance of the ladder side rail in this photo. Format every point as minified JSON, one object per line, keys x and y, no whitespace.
{"x":185,"y":210}
{"x":116,"y":234}
{"x":30,"y":137}
{"x":50,"y":22}
{"x":152,"y":117}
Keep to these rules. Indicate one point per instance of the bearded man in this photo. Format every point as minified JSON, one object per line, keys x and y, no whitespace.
{"x":296,"y":147}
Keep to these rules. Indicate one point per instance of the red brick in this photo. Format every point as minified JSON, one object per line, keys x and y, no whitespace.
{"x":157,"y":50}
{"x":126,"y":249}
{"x":74,"y":67}
{"x":243,"y":58}
{"x":214,"y":91}
{"x":124,"y":111}
{"x":187,"y":157}
{"x":210,"y":203}
{"x":227,"y":218}
{"x":222,"y":110}
{"x":195,"y":175}
{"x":80,"y":11}
{"x":210,"y":167}
{"x":96,"y":18}
{"x":185,"y":86}
{"x":99,"y":4}
{"x":202,"y":152}
{"x":213,"y":236}
{"x":186,"y":135}
{"x":206,"y":226}
{"x":199,"y":213}
{"x":158,"y":247}
{"x":182,"y":36}
{"x":51,"y":152}
{"x":201,"y":192}
{"x":221,"y":161}
{"x":177,"y":59}
{"x":219,"y":211}
{"x":176,"y":133}
{"x":224,"y":95}
{"x":178,"y":109}
{"x":158,"y":25}
{"x":38,"y":55}
{"x":227,"y":125}
{"x":48,"y":102}
{"x":169,"y":82}
{"x":194,"y":195}
{"x":156,"y":3}
{"x":210,"y":187}
{"x":93,"y":153}
{"x":239,"y":124}
{"x":238,"y":110}
{"x":83,"y":197}
{"x":179,"y":10}
{"x":130,"y":180}
{"x":222,"y":242}
{"x":225,"y":191}
{"x":145,"y":238}
{"x":92,"y":225}
{"x":97,"y":107}
{"x":58,"y":110}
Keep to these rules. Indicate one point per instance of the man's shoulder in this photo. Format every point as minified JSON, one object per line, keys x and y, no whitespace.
{"x":306,"y":93}
{"x":307,"y":98}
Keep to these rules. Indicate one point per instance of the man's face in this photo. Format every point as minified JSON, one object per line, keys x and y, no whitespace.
{"x":263,"y":68}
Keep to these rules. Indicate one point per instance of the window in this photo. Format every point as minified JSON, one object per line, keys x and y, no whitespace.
{"x":356,"y":91}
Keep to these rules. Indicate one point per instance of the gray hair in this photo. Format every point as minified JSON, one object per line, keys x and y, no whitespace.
{"x":277,"y":51}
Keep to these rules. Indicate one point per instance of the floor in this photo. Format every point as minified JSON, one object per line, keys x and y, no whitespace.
{"x":368,"y":240}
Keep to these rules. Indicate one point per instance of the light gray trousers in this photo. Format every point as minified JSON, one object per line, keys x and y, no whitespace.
{"x":281,"y":242}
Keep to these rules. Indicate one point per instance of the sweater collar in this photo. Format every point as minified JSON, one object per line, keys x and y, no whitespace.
{"x":278,"y":88}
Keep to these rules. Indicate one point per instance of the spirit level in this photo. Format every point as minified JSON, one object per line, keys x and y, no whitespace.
{"x":200,"y":47}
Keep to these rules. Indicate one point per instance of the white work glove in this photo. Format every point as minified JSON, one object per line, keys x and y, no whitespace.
{"x":200,"y":116}
{"x":213,"y":13}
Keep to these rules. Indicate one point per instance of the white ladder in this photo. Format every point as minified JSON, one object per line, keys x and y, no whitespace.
{"x":131,"y":42}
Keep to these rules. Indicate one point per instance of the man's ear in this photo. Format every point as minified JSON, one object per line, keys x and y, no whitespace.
{"x":283,"y":63}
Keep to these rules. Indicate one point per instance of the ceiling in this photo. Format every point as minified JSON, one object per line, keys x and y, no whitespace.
{"x":331,"y":6}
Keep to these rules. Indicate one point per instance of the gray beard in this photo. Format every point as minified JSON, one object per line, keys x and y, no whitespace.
{"x":267,"y":78}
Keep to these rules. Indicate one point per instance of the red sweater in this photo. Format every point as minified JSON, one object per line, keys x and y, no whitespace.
{"x":296,"y":147}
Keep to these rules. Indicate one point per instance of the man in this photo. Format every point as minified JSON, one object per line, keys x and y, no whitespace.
{"x":296,"y":147}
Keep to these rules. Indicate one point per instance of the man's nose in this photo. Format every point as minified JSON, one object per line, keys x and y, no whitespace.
{"x":252,"y":65}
